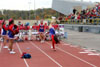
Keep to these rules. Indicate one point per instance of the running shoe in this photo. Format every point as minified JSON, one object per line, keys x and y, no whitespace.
{"x":5,"y":47}
{"x":12,"y":52}
{"x":51,"y":47}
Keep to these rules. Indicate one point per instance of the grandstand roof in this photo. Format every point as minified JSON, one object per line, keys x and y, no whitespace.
{"x":66,"y":7}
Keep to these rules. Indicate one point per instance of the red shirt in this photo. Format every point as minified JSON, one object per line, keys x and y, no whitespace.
{"x":10,"y":27}
{"x":4,"y":27}
{"x":20,"y":27}
{"x":55,"y":26}
{"x":46,"y":27}
{"x":99,"y":7}
{"x":78,"y":17}
{"x":26,"y":27}
{"x":34,"y":27}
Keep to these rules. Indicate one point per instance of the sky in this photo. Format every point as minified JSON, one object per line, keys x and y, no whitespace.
{"x":24,"y":4}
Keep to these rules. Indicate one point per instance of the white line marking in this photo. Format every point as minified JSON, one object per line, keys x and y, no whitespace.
{"x":27,"y":65}
{"x":83,"y":52}
{"x":46,"y":55}
{"x":1,"y":47}
{"x":94,"y":54}
{"x":90,"y":53}
{"x":89,"y":50}
{"x":65,"y":44}
{"x":86,"y":52}
{"x":73,"y":46}
{"x":74,"y":56}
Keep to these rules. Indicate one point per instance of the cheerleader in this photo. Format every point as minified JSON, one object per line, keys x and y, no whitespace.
{"x":12,"y":30}
{"x":41,"y":31}
{"x":4,"y":33}
{"x":34,"y":27}
{"x":0,"y":30}
{"x":52,"y":34}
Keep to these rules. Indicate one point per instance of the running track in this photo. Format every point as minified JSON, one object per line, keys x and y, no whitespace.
{"x":43,"y":56}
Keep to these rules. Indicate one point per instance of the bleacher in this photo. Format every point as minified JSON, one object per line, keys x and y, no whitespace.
{"x":87,"y":16}
{"x":94,"y":21}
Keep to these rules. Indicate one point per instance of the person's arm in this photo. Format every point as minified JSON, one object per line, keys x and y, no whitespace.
{"x":44,"y":28}
{"x":11,"y":28}
{"x":4,"y":27}
{"x":33,"y":27}
{"x":28,"y":27}
{"x":38,"y":27}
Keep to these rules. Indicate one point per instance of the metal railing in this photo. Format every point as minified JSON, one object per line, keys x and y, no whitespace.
{"x":93,"y":21}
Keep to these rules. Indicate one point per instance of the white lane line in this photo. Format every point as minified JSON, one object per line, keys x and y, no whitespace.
{"x":73,"y":46}
{"x":46,"y":55}
{"x":64,"y":43}
{"x":74,"y":56}
{"x":89,"y":50}
{"x":92,"y":54}
{"x":83,"y":52}
{"x":27,"y":65}
{"x":1,"y":47}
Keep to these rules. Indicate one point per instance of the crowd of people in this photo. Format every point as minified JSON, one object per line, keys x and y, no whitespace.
{"x":89,"y":13}
{"x":10,"y":30}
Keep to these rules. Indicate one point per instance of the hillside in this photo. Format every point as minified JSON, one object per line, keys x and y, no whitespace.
{"x":24,"y":15}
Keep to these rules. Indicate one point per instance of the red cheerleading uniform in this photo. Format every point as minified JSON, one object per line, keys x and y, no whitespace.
{"x":34,"y":27}
{"x":0,"y":26}
{"x":4,"y":28}
{"x":41,"y":28}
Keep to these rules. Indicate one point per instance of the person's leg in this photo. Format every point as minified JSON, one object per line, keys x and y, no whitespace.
{"x":40,"y":36}
{"x":4,"y":42}
{"x":43,"y":37}
{"x":53,"y":42}
{"x":11,"y":44}
{"x":53,"y":45}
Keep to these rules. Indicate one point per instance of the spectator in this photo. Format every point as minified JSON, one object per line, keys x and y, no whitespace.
{"x":74,"y":11}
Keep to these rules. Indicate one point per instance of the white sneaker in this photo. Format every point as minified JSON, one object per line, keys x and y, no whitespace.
{"x":12,"y":52}
{"x":5,"y":47}
{"x":51,"y":47}
{"x":9,"y":49}
{"x":42,"y":41}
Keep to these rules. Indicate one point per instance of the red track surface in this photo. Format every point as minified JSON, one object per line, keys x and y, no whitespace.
{"x":44,"y":56}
